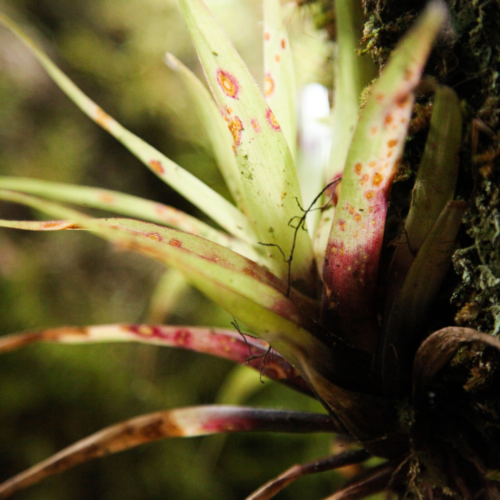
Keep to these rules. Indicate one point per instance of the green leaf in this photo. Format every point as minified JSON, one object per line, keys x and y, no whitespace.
{"x":404,"y":329}
{"x":133,"y":206}
{"x":246,"y":290}
{"x":353,"y":251}
{"x":203,"y":197}
{"x":167,"y":297}
{"x":279,"y":87}
{"x":216,"y":128}
{"x":434,"y":187}
{"x":353,"y":73}
{"x":266,"y":165}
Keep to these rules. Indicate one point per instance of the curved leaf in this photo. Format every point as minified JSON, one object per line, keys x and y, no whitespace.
{"x":279,"y":86}
{"x":183,"y":422}
{"x":439,"y":348}
{"x":434,"y":187}
{"x":131,"y":225}
{"x":266,"y":165}
{"x":227,"y":344}
{"x":353,"y":73}
{"x":273,"y":487}
{"x":126,"y":204}
{"x":246,"y":290}
{"x":194,"y":190}
{"x":353,"y":251}
{"x":218,"y":134}
{"x":405,"y":325}
{"x":375,"y":481}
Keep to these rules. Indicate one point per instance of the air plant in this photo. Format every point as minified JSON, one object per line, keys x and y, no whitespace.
{"x":341,"y":327}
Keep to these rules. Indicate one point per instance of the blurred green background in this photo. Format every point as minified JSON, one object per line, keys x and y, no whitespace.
{"x":50,"y":395}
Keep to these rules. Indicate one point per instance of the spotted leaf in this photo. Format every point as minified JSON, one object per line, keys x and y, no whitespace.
{"x":266,"y":165}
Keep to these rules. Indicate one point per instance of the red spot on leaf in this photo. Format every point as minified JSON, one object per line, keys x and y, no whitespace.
{"x":392,"y":143}
{"x":268,"y":85}
{"x":182,"y":337}
{"x":228,"y":83}
{"x":408,"y":74}
{"x":283,"y":43}
{"x":156,"y":167}
{"x":267,"y":36}
{"x":236,"y":127}
{"x":358,"y":167}
{"x":228,"y":424}
{"x":403,"y":101}
{"x":155,"y":236}
{"x":377,"y":179}
{"x":107,"y":198}
{"x":102,"y":118}
{"x":272,"y":120}
{"x":175,"y":243}
{"x":255,"y":125}
{"x":249,"y":272}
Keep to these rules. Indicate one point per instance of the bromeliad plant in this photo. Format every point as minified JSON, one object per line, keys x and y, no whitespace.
{"x":343,"y":329}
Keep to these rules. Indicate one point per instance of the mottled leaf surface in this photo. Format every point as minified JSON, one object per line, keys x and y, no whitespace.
{"x":125,"y":204}
{"x":215,"y":127}
{"x":194,"y":190}
{"x":353,"y":251}
{"x":262,"y":153}
{"x":182,"y":422}
{"x":247,"y":291}
{"x":279,"y":72}
{"x":227,"y":344}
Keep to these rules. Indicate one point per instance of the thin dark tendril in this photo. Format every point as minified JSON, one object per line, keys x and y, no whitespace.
{"x":300,"y":225}
{"x":252,"y":356}
{"x":274,"y":245}
{"x":235,"y":324}
{"x":264,"y":367}
{"x":405,"y":232}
